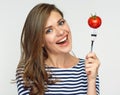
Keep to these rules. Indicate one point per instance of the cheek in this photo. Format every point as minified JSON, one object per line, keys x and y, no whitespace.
{"x":49,"y":39}
{"x":68,"y":29}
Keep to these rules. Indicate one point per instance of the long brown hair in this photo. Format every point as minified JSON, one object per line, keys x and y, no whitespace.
{"x":33,"y":54}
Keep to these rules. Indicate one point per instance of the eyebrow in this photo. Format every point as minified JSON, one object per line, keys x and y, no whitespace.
{"x":60,"y":20}
{"x":57,"y":22}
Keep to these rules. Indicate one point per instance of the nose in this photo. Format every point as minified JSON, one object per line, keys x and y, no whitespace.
{"x":59,"y":31}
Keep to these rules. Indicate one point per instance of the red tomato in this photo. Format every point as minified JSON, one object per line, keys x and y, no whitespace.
{"x":94,"y":21}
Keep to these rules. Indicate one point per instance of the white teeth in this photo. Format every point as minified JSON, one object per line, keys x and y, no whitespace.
{"x":63,"y":39}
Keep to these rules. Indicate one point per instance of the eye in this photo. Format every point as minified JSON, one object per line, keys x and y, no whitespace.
{"x":61,"y":22}
{"x":48,"y":31}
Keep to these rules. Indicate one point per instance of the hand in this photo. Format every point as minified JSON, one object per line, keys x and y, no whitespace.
{"x":92,"y":64}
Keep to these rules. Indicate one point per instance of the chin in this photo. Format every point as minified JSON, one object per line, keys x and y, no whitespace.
{"x":68,"y":49}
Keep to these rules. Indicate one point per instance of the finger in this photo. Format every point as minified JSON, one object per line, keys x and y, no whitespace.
{"x":91,"y":55}
{"x":88,"y":71}
{"x":89,"y":60}
{"x":88,"y":65}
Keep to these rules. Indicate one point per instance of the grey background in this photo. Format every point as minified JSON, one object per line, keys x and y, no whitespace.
{"x":107,"y":46}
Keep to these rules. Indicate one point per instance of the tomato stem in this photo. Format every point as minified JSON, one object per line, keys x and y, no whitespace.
{"x":94,"y":16}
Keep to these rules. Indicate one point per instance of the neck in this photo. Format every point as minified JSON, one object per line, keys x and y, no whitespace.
{"x":61,"y":61}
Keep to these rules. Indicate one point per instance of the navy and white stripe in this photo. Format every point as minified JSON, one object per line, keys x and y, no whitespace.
{"x":71,"y":81}
{"x":20,"y":83}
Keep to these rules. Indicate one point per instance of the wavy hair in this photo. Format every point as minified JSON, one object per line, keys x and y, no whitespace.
{"x":33,"y":54}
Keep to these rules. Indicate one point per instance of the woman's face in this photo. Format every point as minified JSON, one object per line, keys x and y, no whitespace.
{"x":57,"y":34}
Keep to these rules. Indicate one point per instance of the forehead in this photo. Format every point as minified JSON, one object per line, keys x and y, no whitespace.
{"x":53,"y":18}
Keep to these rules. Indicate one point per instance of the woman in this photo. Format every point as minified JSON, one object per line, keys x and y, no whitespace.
{"x":46,"y":67}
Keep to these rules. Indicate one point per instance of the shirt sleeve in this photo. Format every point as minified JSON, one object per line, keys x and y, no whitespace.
{"x":22,"y":90}
{"x":97,"y":85}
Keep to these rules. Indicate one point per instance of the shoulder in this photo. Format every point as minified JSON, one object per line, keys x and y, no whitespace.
{"x":20,"y":69}
{"x":22,"y":90}
{"x":80,"y":65}
{"x":81,"y":61}
{"x":19,"y":73}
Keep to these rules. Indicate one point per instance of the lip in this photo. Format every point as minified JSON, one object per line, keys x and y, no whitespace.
{"x":62,"y":38}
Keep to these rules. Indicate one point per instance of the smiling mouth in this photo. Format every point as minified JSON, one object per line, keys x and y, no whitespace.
{"x":62,"y":41}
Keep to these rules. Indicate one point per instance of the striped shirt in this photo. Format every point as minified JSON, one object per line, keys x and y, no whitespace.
{"x":72,"y":81}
